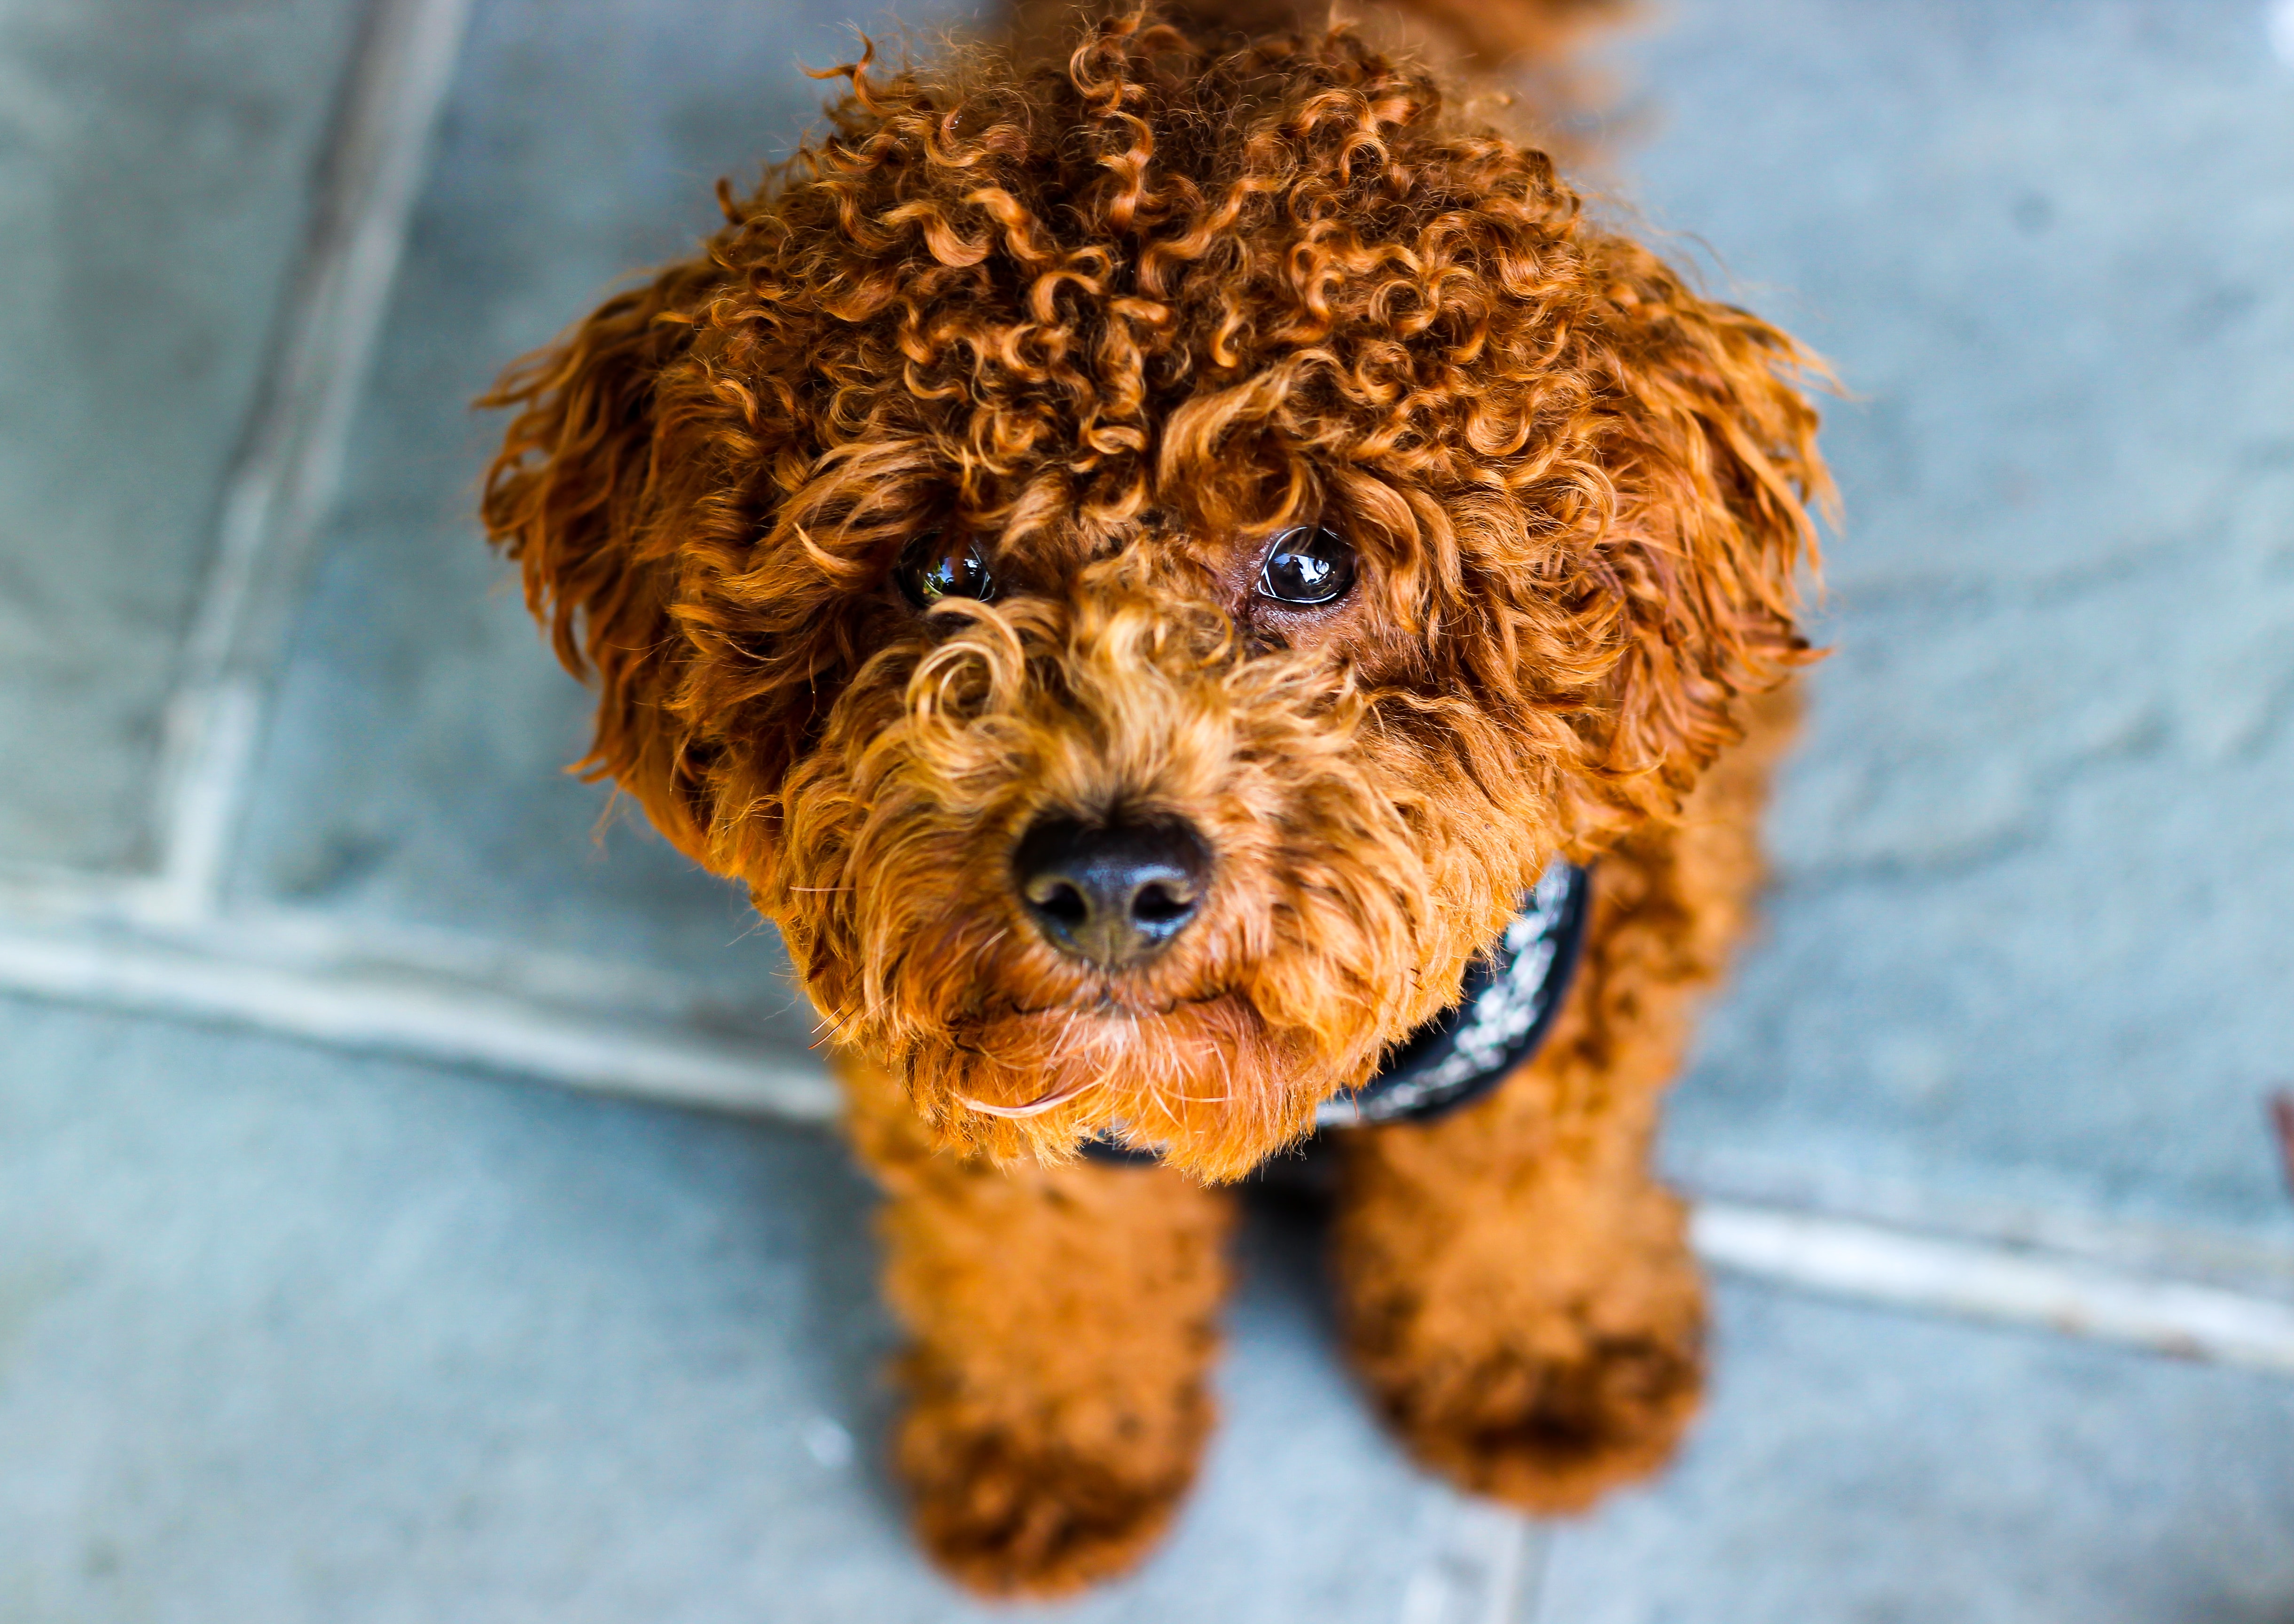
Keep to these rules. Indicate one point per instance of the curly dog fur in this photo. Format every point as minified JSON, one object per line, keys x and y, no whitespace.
{"x":1115,"y":317}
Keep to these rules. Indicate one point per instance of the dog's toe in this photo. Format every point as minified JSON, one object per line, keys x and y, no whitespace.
{"x":1551,"y":1435}
{"x":1010,"y":1515}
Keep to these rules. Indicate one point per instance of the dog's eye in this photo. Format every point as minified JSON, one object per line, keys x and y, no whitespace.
{"x":934,"y":567}
{"x":1311,"y":565}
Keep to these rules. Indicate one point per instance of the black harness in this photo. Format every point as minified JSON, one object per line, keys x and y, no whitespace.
{"x":1506,"y":1006}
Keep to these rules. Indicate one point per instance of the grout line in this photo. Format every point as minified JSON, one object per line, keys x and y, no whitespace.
{"x":1971,"y":1280}
{"x":47,"y":906}
{"x":1514,"y":1545}
{"x":1480,"y":1569}
{"x":459,"y":1020}
{"x":286,"y":477}
{"x":2029,"y":1215}
{"x":1528,"y":1599}
{"x":429,"y":1016}
{"x":214,"y":726}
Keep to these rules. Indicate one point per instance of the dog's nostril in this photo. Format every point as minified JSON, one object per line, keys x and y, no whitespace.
{"x":1157,"y":905}
{"x":1058,"y":899}
{"x":1114,"y":892}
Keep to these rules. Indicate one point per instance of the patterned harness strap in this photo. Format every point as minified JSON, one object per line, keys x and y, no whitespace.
{"x":1508,"y":1001}
{"x":1510,"y":998}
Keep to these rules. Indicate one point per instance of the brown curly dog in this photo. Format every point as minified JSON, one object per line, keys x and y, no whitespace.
{"x":1141,"y":555}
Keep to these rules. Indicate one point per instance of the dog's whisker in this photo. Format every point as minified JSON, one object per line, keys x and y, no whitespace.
{"x":1034,"y":1108}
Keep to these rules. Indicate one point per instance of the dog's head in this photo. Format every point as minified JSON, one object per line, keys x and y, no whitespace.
{"x":1139,"y":565}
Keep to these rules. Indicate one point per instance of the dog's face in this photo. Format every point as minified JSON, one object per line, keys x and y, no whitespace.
{"x":1140,"y":567}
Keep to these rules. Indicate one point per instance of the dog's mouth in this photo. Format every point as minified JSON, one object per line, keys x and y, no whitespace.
{"x":1105,"y":1003}
{"x":1094,"y":1041}
{"x":1203,"y":1079}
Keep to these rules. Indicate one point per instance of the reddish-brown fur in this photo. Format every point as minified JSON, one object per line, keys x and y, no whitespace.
{"x":1120,"y":318}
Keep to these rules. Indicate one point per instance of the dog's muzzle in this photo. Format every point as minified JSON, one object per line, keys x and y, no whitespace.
{"x":1111,"y":893}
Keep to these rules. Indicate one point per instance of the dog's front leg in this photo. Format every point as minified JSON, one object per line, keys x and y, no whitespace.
{"x":1519,"y":1296}
{"x":1516,"y":1285}
{"x":1063,"y":1322}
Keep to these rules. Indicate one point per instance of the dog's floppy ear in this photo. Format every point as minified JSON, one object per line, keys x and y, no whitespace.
{"x":1711,"y":452}
{"x":578,"y":495}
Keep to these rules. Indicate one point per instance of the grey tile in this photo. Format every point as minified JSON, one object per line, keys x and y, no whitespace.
{"x":1863,"y":1467}
{"x":290,"y":1335}
{"x":156,"y":159}
{"x":2033,"y":860}
{"x":2041,"y":242}
{"x":413,"y":774}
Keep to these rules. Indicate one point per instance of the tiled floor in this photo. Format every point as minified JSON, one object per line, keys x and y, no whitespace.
{"x":155,"y":173}
{"x":2035,"y":860}
{"x":1857,"y":1465}
{"x":413,"y":771}
{"x":288,"y":1336}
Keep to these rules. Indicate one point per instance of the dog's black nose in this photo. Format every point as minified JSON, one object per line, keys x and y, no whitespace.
{"x":1112,"y":893}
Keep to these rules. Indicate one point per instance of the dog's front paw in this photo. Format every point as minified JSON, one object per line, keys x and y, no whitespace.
{"x":1551,"y":1435}
{"x":1011,"y":1514}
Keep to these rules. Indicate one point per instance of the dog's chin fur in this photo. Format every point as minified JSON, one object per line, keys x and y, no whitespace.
{"x":1215,"y":1054}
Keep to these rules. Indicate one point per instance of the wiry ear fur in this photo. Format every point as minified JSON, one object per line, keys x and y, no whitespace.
{"x":577,"y":495}
{"x":1711,"y":452}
